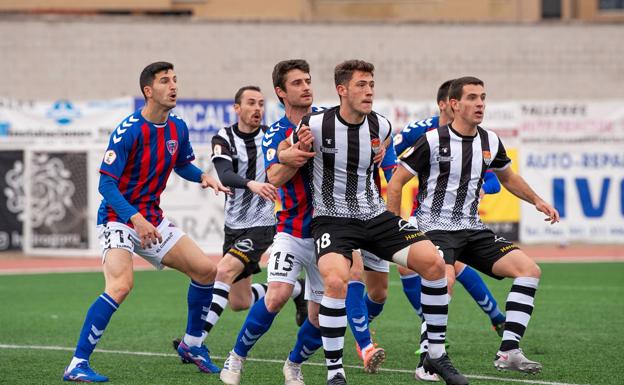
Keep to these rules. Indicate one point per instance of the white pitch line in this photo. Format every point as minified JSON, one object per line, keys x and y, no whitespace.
{"x":153,"y":354}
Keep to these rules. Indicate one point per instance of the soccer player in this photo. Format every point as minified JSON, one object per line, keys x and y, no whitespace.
{"x":142,"y":152}
{"x":466,"y":275}
{"x":349,"y":214}
{"x":450,"y":163}
{"x":249,"y":211}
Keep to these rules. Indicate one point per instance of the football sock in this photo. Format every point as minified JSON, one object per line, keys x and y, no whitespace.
{"x":333,"y":322}
{"x":519,"y":308}
{"x":297,"y":289}
{"x":373,"y":308}
{"x":199,"y":298}
{"x":357,"y":314}
{"x":258,"y":322}
{"x":308,"y":342}
{"x":434,"y":300}
{"x":478,"y":290}
{"x":411,"y":288}
{"x":219,"y":302}
{"x":258,"y":291}
{"x":98,"y":316}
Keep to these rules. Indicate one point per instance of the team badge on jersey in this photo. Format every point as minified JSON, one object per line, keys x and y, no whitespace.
{"x":217,"y":149}
{"x":172,"y":146}
{"x":270,"y":154}
{"x":487,"y":157}
{"x":109,"y":157}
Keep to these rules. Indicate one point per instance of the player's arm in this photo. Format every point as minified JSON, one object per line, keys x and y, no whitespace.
{"x":520,"y":188}
{"x":278,"y":172}
{"x":193,"y":173}
{"x":395,"y":188}
{"x":516,"y":185}
{"x":389,"y":162}
{"x":229,"y":178}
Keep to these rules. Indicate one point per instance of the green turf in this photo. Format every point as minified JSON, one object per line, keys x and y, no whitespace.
{"x":576,"y":331}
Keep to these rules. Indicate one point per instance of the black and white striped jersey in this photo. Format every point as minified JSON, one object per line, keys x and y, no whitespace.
{"x":244,"y":209}
{"x":343,"y":168}
{"x":450,"y":170}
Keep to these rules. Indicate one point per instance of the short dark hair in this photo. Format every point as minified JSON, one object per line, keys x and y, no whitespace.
{"x":344,"y":71}
{"x":239,"y":93}
{"x":149,"y":73}
{"x":443,"y":91}
{"x":285,"y":66}
{"x":457,"y":86}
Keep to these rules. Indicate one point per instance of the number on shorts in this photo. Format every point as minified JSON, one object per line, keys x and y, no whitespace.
{"x":323,"y":242}
{"x":288,"y":259}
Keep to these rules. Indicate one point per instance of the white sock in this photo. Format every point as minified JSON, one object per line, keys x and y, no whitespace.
{"x":192,"y":340}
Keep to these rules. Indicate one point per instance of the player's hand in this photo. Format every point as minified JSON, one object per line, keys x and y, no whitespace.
{"x":551,"y":213}
{"x":305,"y":138}
{"x":265,"y":190}
{"x":209,"y":182}
{"x":294,"y":156}
{"x":148,"y":234}
{"x":380,"y":155}
{"x":481,"y":193}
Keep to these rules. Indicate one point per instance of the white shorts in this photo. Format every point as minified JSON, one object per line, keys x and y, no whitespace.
{"x":115,"y":235}
{"x":288,"y":256}
{"x":374,"y":263}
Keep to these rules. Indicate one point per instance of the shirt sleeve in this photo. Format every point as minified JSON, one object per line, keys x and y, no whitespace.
{"x":110,"y":191}
{"x":186,"y":150}
{"x":417,"y":158}
{"x":272,"y":138}
{"x":501,"y":161}
{"x":221,"y":148}
{"x":117,"y":153}
{"x":408,"y":137}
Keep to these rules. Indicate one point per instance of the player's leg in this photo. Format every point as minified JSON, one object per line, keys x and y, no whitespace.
{"x":376,"y":278}
{"x":283,"y":269}
{"x":334,"y":269}
{"x":186,"y":257}
{"x":519,"y":307}
{"x":410,"y":281}
{"x":309,"y":334}
{"x":118,"y":274}
{"x":478,"y":290}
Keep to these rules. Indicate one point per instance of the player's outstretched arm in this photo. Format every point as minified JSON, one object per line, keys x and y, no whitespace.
{"x":193,"y":173}
{"x":520,"y":188}
{"x":395,"y":188}
{"x":209,"y":182}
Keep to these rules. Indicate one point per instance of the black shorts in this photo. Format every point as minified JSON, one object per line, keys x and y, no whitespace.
{"x":477,"y":248}
{"x":383,"y":235}
{"x":248,"y":245}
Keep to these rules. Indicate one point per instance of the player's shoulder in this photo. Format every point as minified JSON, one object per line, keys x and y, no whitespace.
{"x":178,"y":120}
{"x":423,"y":124}
{"x":129,"y":128}
{"x":381,"y":118}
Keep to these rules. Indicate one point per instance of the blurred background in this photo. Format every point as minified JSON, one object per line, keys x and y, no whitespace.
{"x":552,"y":69}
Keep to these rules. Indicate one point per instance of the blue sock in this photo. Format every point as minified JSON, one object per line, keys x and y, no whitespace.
{"x":472,"y":281}
{"x":95,"y":322}
{"x":357,"y":315}
{"x":411,"y":288}
{"x":373,"y":308}
{"x":258,"y":322}
{"x":308,"y":341}
{"x":199,"y":298}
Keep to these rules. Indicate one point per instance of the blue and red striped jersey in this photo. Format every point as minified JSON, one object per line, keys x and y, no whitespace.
{"x":295,"y":195}
{"x":140,"y":156}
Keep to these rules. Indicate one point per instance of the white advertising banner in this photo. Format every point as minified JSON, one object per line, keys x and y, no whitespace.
{"x":585,"y":183}
{"x":62,"y":120}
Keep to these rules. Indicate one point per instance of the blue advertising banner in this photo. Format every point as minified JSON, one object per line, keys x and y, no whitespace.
{"x":205,"y":117}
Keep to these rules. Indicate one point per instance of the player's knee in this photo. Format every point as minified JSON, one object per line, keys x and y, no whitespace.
{"x":274,"y":301}
{"x":227,"y":273}
{"x":237,"y":304}
{"x":532,"y":270}
{"x":435,"y":270}
{"x":335,"y":286}
{"x":119,"y":291}
{"x":356,"y":275}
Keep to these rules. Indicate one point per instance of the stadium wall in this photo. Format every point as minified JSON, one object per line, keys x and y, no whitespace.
{"x":98,"y":57}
